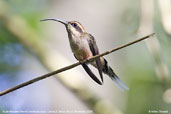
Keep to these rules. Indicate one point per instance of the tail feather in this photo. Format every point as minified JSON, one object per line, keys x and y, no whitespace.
{"x":108,"y":70}
{"x":120,"y":84}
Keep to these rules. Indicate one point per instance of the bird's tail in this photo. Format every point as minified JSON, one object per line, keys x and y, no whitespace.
{"x":108,"y":70}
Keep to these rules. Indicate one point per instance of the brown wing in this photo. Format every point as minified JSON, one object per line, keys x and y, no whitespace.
{"x":95,"y":51}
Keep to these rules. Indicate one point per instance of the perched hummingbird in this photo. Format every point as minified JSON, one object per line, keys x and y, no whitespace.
{"x":84,"y":46}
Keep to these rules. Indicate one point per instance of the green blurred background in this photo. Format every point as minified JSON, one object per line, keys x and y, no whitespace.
{"x":30,"y":48}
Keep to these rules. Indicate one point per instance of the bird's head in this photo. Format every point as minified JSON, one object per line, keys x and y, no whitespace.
{"x":73,"y":27}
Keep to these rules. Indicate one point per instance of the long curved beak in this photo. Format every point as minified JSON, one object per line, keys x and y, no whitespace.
{"x":53,"y":19}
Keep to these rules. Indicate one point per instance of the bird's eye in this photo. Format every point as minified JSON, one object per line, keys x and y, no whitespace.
{"x":74,"y":24}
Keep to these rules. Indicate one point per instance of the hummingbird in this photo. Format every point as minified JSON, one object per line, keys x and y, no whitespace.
{"x":83,"y":46}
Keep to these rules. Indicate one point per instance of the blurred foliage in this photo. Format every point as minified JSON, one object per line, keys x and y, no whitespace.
{"x":10,"y":50}
{"x":163,"y":36}
{"x":130,"y":17}
{"x":148,"y":90}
